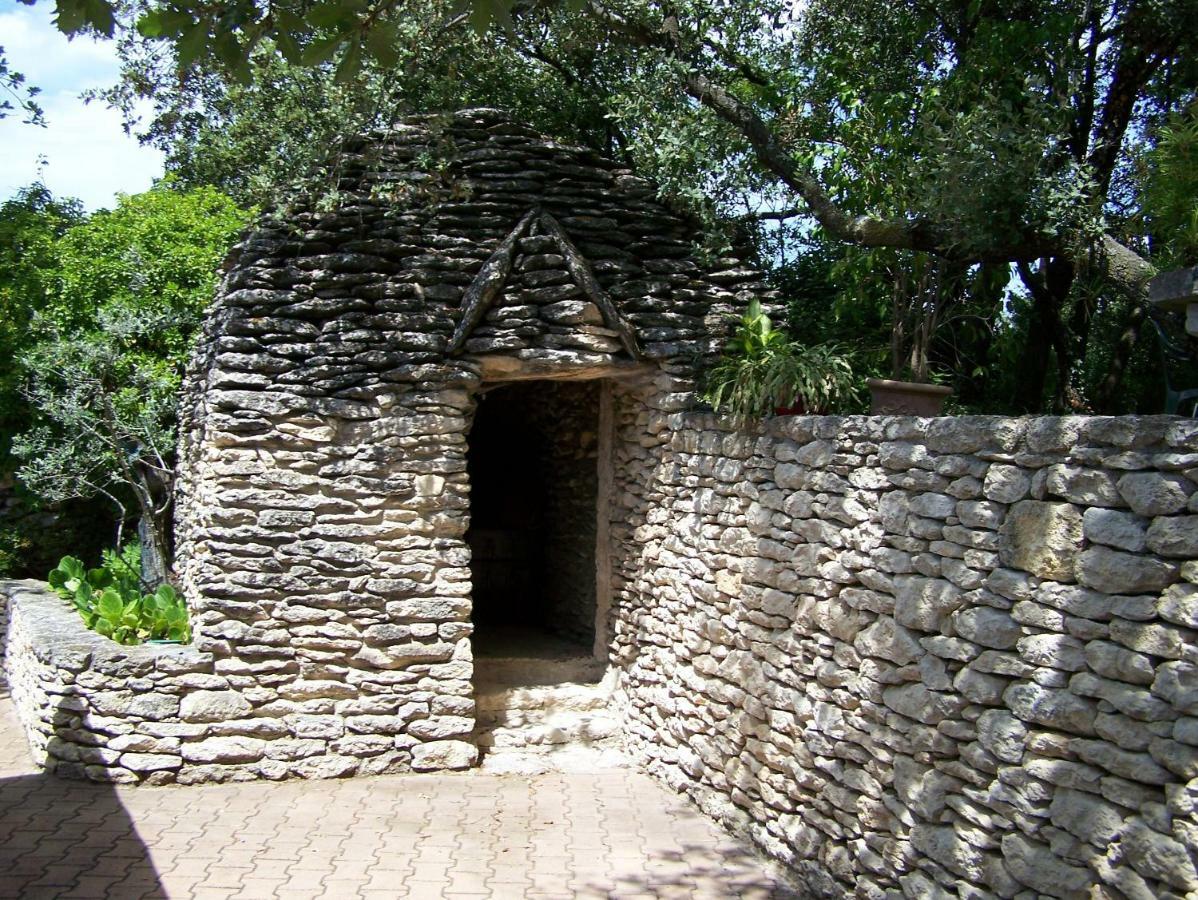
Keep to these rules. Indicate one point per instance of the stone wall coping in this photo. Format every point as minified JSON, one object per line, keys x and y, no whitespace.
{"x":968,"y":434}
{"x":61,"y":639}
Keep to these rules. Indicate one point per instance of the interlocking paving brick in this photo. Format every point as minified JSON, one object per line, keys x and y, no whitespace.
{"x":558,"y":836}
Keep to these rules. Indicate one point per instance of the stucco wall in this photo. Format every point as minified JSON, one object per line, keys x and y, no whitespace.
{"x":948,"y":657}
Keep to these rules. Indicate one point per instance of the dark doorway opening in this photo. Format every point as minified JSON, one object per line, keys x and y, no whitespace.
{"x":533,"y":473}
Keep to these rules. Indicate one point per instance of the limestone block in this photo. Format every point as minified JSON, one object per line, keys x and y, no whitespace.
{"x":1150,"y":637}
{"x":916,"y":702}
{"x":888,"y":640}
{"x":1042,"y":538}
{"x":1086,"y":816}
{"x":1115,"y":572}
{"x":1087,"y":487}
{"x":1158,"y":856}
{"x":1131,"y":701}
{"x":438,"y":755}
{"x":224,"y":750}
{"x":326,"y":766}
{"x":1177,"y":682}
{"x":950,"y":849}
{"x":1051,"y":707}
{"x":1122,"y":530}
{"x":1113,"y":661}
{"x":1006,"y":484}
{"x":1124,"y":732}
{"x":1002,"y":735}
{"x":1179,"y":758}
{"x":987,"y":626}
{"x":933,"y":506}
{"x":1174,"y":536}
{"x":981,"y":513}
{"x":924,"y":603}
{"x":1124,"y":763}
{"x":152,"y":706}
{"x":1155,"y":493}
{"x":1056,"y":651}
{"x":150,"y":762}
{"x":213,"y":706}
{"x":980,"y":687}
{"x":1035,"y":865}
{"x":1179,"y":605}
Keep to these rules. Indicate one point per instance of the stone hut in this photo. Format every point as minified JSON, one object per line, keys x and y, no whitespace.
{"x":442,"y":490}
{"x":399,"y":425}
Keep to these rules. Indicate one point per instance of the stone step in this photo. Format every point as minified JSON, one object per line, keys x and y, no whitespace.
{"x":497,"y":672}
{"x":565,"y":697}
{"x":562,"y":728}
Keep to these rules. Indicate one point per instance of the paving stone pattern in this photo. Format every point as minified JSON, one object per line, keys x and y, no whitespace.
{"x":610,"y":834}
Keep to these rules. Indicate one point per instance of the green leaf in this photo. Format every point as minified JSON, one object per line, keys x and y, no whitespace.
{"x":70,"y":16}
{"x":320,"y":51}
{"x":101,"y":16}
{"x":350,"y":65}
{"x":157,"y":23}
{"x":288,"y":47}
{"x":331,"y":15}
{"x":192,"y":44}
{"x":109,"y":605}
{"x":381,"y":42}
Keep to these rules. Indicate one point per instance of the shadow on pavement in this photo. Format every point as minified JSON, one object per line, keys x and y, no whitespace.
{"x":61,"y":839}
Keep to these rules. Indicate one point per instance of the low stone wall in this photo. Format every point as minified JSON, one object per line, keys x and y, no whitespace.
{"x":945,"y":658}
{"x":161,"y":713}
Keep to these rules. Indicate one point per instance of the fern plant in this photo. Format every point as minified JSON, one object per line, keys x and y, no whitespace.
{"x":762,"y":370}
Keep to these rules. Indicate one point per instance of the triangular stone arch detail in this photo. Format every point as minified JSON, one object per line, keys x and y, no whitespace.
{"x":488,"y":284}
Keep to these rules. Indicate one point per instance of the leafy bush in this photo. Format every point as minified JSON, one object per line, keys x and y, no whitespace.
{"x":111,"y":602}
{"x":762,"y":370}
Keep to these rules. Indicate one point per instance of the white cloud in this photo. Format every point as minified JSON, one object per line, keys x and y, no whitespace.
{"x":88,"y":154}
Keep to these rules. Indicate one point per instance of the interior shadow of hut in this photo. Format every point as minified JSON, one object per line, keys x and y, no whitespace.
{"x":57,"y":834}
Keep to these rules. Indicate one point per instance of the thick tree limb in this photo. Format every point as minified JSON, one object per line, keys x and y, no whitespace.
{"x":775,"y":157}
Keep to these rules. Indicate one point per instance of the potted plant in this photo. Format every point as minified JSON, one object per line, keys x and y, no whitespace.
{"x":921,"y":292}
{"x":763,"y":372}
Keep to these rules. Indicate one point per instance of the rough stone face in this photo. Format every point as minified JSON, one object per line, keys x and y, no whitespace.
{"x":1155,"y":493}
{"x":1114,"y":572}
{"x":1174,"y":536}
{"x":1042,"y":538}
{"x":1054,"y":708}
{"x":213,"y":706}
{"x":1006,"y":484}
{"x":1122,"y":530}
{"x":436,"y":755}
{"x":1002,"y":735}
{"x":924,"y":603}
{"x":988,"y":627}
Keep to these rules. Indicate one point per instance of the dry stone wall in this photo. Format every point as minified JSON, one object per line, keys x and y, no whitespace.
{"x":927,"y":658}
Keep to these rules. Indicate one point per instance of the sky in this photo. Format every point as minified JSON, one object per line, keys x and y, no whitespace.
{"x":88,"y":155}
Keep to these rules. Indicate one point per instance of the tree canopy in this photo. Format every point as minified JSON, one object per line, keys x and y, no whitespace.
{"x":107,"y":309}
{"x":963,"y":140}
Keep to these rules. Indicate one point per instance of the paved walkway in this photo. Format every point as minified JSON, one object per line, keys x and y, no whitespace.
{"x":609,"y":834}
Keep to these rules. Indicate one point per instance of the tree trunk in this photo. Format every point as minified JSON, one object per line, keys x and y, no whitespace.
{"x":155,"y":565}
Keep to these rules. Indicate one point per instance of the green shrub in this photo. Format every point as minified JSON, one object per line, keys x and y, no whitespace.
{"x":762,"y":370}
{"x":111,"y":602}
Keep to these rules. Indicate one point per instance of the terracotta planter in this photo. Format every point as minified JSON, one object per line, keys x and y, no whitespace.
{"x":905,"y":398}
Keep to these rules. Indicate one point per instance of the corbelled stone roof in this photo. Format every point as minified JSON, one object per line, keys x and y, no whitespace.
{"x":458,"y":237}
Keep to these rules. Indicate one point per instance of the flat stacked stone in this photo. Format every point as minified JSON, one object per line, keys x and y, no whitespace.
{"x":921,"y":657}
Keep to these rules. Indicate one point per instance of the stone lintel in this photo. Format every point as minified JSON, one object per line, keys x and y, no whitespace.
{"x":563,"y":366}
